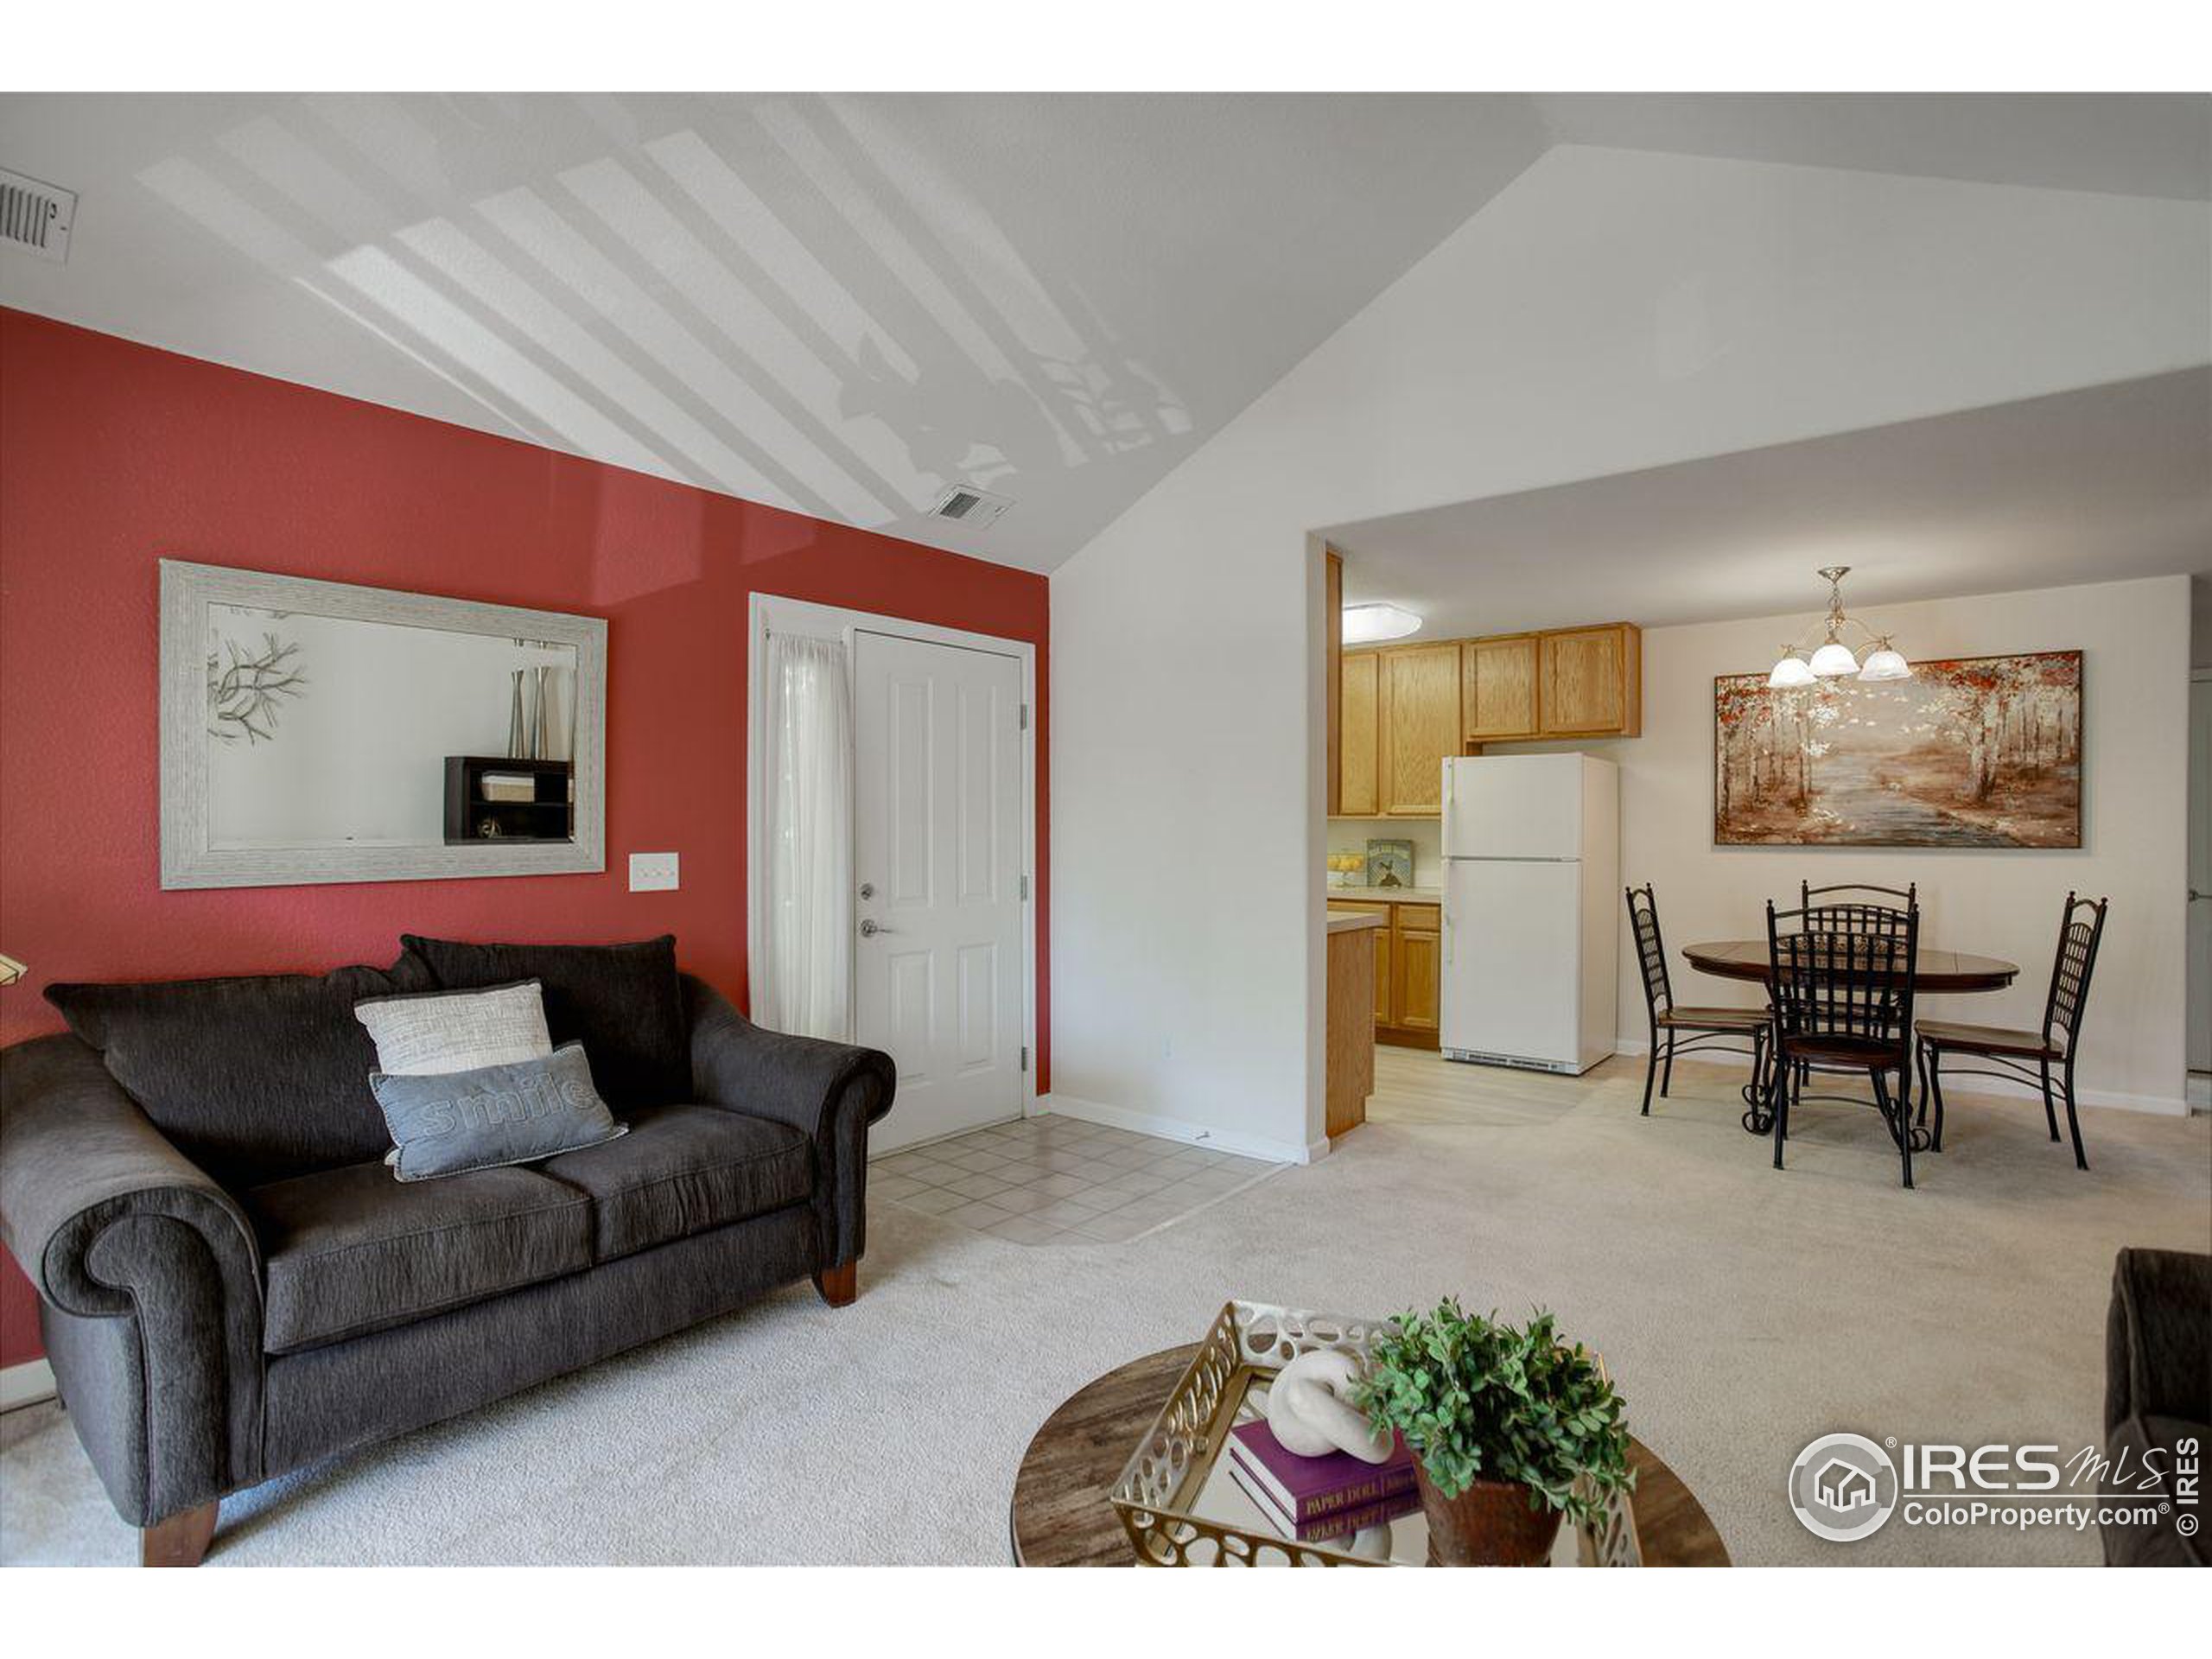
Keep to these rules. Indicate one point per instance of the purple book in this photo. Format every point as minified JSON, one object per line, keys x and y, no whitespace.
{"x":1336,"y":1527}
{"x":1305,"y":1489}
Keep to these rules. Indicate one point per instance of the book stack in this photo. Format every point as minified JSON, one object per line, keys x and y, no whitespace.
{"x":1313,"y":1499}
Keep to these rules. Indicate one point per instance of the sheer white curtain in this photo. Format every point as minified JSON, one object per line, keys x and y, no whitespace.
{"x":806,"y":986}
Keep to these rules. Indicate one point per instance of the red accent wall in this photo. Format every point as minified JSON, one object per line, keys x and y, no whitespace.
{"x":113,"y":455}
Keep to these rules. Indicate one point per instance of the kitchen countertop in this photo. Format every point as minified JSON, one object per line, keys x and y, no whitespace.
{"x":1389,"y":895}
{"x":1353,"y":923}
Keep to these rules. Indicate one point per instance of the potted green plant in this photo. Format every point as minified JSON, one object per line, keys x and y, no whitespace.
{"x":1511,"y":1429}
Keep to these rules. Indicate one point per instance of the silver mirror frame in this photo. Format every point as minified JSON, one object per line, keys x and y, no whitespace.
{"x":186,"y":859}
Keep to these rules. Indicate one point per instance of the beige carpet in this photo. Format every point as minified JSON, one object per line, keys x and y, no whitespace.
{"x":1743,"y":1312}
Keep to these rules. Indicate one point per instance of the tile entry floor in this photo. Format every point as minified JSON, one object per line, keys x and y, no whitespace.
{"x":1057,"y":1180}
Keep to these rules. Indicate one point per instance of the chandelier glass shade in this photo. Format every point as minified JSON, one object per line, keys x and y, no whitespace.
{"x":1792,"y":671}
{"x":1834,"y":659}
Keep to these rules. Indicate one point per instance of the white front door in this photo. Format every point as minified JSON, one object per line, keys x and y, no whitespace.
{"x":937,"y":868}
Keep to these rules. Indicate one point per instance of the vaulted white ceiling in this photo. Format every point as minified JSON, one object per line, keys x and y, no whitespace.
{"x":837,"y":304}
{"x":842,"y":305}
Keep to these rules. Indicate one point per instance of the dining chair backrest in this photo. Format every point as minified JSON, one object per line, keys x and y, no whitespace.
{"x":2081,"y":929}
{"x":1827,"y":983}
{"x":1650,"y":951}
{"x":1872,"y":912}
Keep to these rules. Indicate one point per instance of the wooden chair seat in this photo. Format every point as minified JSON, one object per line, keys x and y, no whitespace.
{"x":1684,"y":1031}
{"x":1988,"y":1039}
{"x":1840,"y":1051}
{"x":1713,"y":1019}
{"x":2042,"y":1059}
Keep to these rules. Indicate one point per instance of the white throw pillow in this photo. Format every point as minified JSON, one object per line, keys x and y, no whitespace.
{"x":456,"y":1031}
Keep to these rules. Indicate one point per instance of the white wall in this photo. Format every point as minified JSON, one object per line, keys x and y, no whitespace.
{"x":2134,"y":638}
{"x":1610,"y":310}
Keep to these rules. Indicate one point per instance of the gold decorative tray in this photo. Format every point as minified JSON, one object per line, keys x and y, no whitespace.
{"x":1180,"y":1510}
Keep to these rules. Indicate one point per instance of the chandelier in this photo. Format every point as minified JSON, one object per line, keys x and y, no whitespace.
{"x":1834,"y":659}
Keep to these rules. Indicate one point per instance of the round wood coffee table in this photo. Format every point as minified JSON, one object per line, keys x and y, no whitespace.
{"x":1060,"y":1515}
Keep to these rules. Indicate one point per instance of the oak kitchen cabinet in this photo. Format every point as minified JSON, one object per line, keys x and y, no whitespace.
{"x":1498,"y":688}
{"x":1402,"y":709}
{"x":1590,"y":681}
{"x":1359,"y":736}
{"x":1418,"y":707}
{"x":1409,"y":966}
{"x":1417,"y":959}
{"x":1381,"y":936}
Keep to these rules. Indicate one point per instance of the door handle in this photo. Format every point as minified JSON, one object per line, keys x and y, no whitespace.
{"x":870,"y":928}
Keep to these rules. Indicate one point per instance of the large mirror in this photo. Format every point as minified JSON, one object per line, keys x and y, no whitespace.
{"x":312,"y":731}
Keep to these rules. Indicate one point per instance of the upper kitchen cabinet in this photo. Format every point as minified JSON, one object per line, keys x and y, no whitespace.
{"x":1359,"y":731}
{"x":1419,"y":702}
{"x":1498,"y":688}
{"x":1590,"y":682}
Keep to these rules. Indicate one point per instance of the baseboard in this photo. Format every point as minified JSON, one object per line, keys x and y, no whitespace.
{"x":26,"y":1384}
{"x":2156,"y":1105}
{"x":1175,"y":1128}
{"x":2199,"y":1092}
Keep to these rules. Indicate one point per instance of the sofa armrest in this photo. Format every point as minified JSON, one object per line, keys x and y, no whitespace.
{"x":135,"y":1249}
{"x":830,"y":1092}
{"x":2157,"y":1336}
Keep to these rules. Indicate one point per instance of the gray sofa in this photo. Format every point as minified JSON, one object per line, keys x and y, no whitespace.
{"x":2158,"y":1406}
{"x":232,"y":1284}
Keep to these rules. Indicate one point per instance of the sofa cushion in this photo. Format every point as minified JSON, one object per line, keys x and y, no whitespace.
{"x":253,"y":1079}
{"x":493,"y":1116}
{"x":623,"y":1002}
{"x":352,"y":1250}
{"x":683,"y":1169}
{"x":429,"y":1033}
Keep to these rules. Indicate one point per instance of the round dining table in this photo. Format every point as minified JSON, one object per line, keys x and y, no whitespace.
{"x":1934,"y":973}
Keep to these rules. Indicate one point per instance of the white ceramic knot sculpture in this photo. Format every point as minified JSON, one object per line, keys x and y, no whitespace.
{"x":1310,"y":1414}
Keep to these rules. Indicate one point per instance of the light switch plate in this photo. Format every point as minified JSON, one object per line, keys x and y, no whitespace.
{"x":652,"y":873}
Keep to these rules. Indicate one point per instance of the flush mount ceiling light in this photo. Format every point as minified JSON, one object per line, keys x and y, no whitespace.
{"x":1365,"y":624}
{"x":1834,"y":659}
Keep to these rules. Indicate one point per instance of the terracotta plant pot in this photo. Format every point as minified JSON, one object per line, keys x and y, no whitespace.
{"x":1489,"y":1524}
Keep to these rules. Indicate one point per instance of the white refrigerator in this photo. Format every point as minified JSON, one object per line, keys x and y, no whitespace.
{"x":1532,"y":898}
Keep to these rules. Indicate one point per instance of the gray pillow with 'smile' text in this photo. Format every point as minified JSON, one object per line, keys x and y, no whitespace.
{"x":449,"y":1123}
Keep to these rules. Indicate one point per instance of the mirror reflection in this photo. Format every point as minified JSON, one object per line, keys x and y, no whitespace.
{"x":330,"y":731}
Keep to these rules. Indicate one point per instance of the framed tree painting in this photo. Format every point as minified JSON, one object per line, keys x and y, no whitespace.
{"x":1974,"y":752}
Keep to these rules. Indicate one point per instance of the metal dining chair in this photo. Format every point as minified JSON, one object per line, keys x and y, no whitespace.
{"x":1868,"y":911}
{"x":1843,"y":1002}
{"x":1855,"y":915}
{"x":1684,"y":1030}
{"x":2027,"y":1056}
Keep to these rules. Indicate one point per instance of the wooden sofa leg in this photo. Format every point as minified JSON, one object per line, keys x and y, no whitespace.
{"x":180,"y":1540}
{"x":839,"y":1285}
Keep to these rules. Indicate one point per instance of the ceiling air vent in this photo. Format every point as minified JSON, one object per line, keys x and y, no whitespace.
{"x":35,"y":217}
{"x":963,"y":505}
